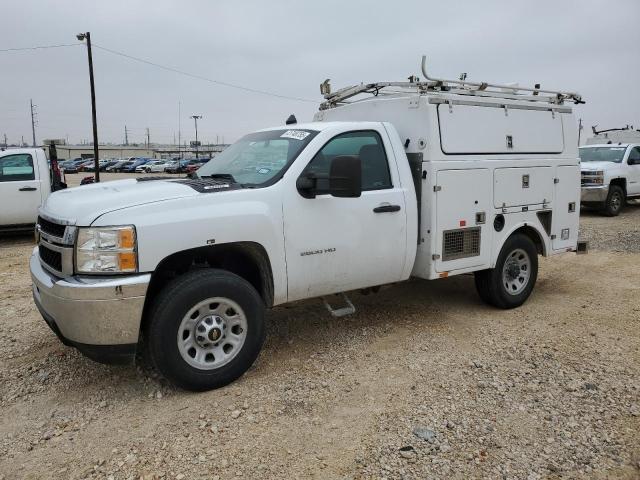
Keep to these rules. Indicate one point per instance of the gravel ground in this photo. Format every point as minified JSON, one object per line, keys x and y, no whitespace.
{"x":423,"y":382}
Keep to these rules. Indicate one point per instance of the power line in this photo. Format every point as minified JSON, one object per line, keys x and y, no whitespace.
{"x":199,"y":77}
{"x":39,"y":47}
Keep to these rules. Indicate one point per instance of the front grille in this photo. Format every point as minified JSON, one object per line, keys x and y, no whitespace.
{"x":460,"y":243}
{"x":51,"y":258}
{"x":51,"y":228}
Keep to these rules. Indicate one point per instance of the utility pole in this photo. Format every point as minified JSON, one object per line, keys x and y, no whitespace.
{"x":87,"y":36}
{"x":195,"y":121}
{"x":126,"y":136}
{"x":179,"y":120}
{"x":33,"y":122}
{"x":148,"y":139}
{"x":5,"y":140}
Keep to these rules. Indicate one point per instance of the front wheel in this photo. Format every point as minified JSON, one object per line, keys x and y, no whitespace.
{"x":205,"y":329}
{"x":510,"y":282}
{"x":615,"y":201}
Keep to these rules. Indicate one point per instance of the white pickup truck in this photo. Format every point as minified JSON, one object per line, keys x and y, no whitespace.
{"x":610,"y":176}
{"x":425,"y":179}
{"x":26,"y":179}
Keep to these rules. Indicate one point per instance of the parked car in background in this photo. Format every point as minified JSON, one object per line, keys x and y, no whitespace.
{"x":91,"y":167}
{"x":193,"y":166}
{"x":131,"y":166}
{"x":87,"y":162}
{"x":152,"y":166}
{"x":118,"y":166}
{"x":72,"y":166}
{"x":69,"y":166}
{"x":107,"y":164}
{"x":178,"y":166}
{"x":610,"y":176}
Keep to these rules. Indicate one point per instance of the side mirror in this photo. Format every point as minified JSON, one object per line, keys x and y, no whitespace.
{"x":306,"y":185}
{"x":345,"y":177}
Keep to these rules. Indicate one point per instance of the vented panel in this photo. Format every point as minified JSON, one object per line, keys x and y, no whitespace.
{"x":51,"y":228}
{"x":51,"y":258}
{"x":460,"y":243}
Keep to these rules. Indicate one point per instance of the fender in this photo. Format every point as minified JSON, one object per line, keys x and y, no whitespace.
{"x":532,"y":227}
{"x":208,"y":219}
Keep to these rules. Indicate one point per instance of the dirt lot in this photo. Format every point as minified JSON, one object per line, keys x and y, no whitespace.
{"x":423,"y":382}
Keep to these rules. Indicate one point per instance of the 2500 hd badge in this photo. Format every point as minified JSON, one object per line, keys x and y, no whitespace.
{"x":316,"y":252}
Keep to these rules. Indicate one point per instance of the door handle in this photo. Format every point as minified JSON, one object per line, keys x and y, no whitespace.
{"x":386,"y":208}
{"x":27,"y":189}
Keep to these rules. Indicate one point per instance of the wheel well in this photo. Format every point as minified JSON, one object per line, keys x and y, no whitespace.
{"x":534,"y":235}
{"x":248,"y":260}
{"x":621,"y":182}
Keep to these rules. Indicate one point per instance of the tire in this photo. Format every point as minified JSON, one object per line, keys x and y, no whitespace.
{"x":615,"y":201}
{"x":511,"y":281}
{"x":185,"y":335}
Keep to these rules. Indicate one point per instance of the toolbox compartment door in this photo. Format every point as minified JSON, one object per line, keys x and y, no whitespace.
{"x":463,"y":208}
{"x":469,"y":130}
{"x":566,"y":208}
{"x":522,"y":186}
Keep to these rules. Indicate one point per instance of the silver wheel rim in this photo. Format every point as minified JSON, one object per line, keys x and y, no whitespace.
{"x":212,"y":333}
{"x":616,"y":201}
{"x":516,"y":272}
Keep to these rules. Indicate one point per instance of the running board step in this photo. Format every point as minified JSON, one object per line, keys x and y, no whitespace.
{"x":340,"y":312}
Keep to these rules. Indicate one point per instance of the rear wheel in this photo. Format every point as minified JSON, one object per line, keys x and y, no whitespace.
{"x":206,"y":329}
{"x":510,"y":283}
{"x":615,"y":201}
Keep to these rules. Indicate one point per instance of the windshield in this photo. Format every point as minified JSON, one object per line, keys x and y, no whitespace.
{"x":602,"y":154}
{"x":259,"y":158}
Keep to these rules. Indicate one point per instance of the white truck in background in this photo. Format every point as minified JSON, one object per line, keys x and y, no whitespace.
{"x":425,"y":179}
{"x":610,"y":176}
{"x":27,"y":178}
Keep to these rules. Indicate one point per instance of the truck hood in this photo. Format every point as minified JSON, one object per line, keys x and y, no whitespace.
{"x":82,"y":205}
{"x":593,"y":166}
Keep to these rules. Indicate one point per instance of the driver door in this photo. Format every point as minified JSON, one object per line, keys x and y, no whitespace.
{"x":335,"y":244}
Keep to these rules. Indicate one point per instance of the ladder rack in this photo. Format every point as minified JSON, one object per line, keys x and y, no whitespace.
{"x":461,"y":87}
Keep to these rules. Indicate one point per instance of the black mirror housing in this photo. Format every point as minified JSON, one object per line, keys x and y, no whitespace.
{"x":306,"y":186}
{"x":345,"y":177}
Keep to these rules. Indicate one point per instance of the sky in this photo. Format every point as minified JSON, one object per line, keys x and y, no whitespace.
{"x":288,"y":48}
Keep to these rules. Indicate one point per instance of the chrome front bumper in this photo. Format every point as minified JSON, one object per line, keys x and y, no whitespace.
{"x":90,"y":310}
{"x":594,"y":194}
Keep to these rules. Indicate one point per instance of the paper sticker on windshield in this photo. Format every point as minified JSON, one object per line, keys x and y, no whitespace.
{"x":295,"y":134}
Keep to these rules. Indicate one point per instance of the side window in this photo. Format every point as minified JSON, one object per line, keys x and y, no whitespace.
{"x":14,"y":168}
{"x":367,"y":145}
{"x":634,"y":156}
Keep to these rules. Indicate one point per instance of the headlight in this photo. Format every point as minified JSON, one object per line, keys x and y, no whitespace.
{"x":106,"y":250}
{"x":593,"y":177}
